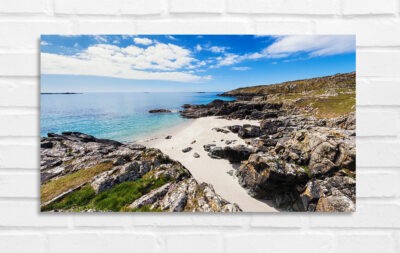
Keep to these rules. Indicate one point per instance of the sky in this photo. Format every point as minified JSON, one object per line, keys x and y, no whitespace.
{"x":185,"y":63}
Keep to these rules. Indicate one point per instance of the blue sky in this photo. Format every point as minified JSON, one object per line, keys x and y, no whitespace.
{"x":155,"y":63}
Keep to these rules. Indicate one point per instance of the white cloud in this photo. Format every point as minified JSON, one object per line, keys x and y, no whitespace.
{"x":314,"y":45}
{"x":217,"y":49}
{"x":171,"y":37}
{"x":126,"y":36}
{"x":285,"y":46}
{"x":100,"y":39}
{"x":199,"y":47}
{"x":231,"y":59}
{"x":253,"y":56}
{"x":143,"y":41}
{"x":45,"y":43}
{"x":156,"y":62}
{"x":228,"y":59}
{"x":241,"y":68}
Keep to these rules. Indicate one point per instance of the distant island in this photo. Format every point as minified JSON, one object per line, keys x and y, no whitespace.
{"x":60,"y":93}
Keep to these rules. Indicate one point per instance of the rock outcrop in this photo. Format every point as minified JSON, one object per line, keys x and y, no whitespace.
{"x":303,"y":153}
{"x":82,"y":173}
{"x":233,"y":154}
{"x":159,"y":111}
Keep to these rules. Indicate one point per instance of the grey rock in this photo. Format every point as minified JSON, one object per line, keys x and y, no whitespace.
{"x":159,"y":111}
{"x":233,"y":154}
{"x":221,"y":130}
{"x":335,"y":204}
{"x":73,"y":151}
{"x":117,"y":175}
{"x":207,"y":147}
{"x":185,"y":150}
{"x":151,"y":197}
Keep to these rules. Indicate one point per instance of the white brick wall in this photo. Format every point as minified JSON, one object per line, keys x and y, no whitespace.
{"x":375,"y":227}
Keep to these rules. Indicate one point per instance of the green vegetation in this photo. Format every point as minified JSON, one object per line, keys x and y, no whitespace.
{"x":328,"y":97}
{"x":115,"y":199}
{"x":333,"y":106}
{"x":125,"y":193}
{"x":77,"y":198}
{"x":57,"y":186}
{"x":307,"y":171}
{"x":346,"y":80}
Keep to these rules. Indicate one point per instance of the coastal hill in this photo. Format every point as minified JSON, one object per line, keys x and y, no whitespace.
{"x":346,"y":80}
{"x":325,"y":97}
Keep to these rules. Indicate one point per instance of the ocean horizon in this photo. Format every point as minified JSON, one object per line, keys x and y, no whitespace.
{"x":121,"y":116}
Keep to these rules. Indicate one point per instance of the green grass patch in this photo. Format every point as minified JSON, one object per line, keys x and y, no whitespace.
{"x":125,"y":193}
{"x":76,"y":199}
{"x":325,"y":107}
{"x":115,"y":199}
{"x":55,"y":187}
{"x":336,"y":106}
{"x":307,"y":171}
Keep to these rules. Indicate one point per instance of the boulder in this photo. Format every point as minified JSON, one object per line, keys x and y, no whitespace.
{"x":322,"y":158}
{"x":208,"y":147}
{"x":46,"y":144}
{"x":151,"y":197}
{"x":128,"y":172}
{"x":185,"y":150}
{"x":233,"y":154}
{"x":235,"y":128}
{"x":249,"y":131}
{"x":264,"y":175}
{"x":159,"y":111}
{"x":335,"y":204}
{"x":220,"y":130}
{"x":176,"y":197}
{"x":135,"y":146}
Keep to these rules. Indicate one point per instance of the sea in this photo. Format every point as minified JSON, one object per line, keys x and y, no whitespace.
{"x":120,"y":116}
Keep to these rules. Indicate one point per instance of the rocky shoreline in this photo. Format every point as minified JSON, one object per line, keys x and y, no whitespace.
{"x":299,"y":160}
{"x":82,"y":173}
{"x":301,"y":156}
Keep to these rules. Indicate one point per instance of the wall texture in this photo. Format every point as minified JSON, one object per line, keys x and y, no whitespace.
{"x":375,"y":227}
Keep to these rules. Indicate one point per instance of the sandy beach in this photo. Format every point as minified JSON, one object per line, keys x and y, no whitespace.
{"x":217,"y":172}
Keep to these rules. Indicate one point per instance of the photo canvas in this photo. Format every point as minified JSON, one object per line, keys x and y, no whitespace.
{"x":198,"y":123}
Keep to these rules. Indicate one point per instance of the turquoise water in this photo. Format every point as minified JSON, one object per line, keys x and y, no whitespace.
{"x":117,"y":116}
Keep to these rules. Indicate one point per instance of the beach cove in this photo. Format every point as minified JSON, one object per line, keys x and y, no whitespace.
{"x":220,"y":173}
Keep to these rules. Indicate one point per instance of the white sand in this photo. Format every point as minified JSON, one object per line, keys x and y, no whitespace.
{"x":204,"y":168}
